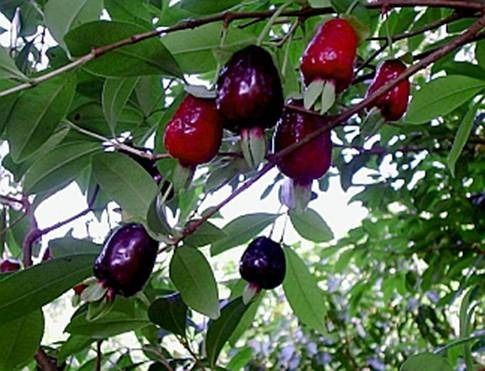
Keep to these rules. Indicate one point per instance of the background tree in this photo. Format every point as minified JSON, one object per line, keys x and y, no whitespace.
{"x":404,"y":289}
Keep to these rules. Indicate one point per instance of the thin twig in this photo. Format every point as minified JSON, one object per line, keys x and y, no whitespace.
{"x":456,"y":4}
{"x":99,"y":355}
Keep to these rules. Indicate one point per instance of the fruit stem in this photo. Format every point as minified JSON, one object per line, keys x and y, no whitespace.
{"x":270,"y":22}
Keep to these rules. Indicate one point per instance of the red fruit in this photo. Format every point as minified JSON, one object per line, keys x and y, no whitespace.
{"x":126,"y":260}
{"x":330,"y":55}
{"x":194,"y":134}
{"x":249,"y":90}
{"x":394,"y":103}
{"x":9,"y":265}
{"x":313,"y":159}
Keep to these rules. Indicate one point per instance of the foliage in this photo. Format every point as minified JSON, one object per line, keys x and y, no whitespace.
{"x":405,"y":288}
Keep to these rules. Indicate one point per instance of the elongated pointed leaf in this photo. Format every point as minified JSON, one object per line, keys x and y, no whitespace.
{"x":303,"y":293}
{"x":59,"y":166}
{"x":426,"y":361}
{"x":193,"y":277}
{"x":36,"y":115}
{"x":20,"y":339}
{"x":123,"y":179}
{"x":170,"y":313}
{"x":441,"y":96}
{"x":148,"y":57}
{"x":115,"y":95}
{"x":23,"y":291}
{"x":310,"y":225}
{"x":220,"y":330}
{"x":8,"y":69}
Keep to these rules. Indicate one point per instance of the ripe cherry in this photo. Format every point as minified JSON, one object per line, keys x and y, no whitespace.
{"x":330,"y":55}
{"x":263,"y":264}
{"x":126,"y":260}
{"x":250,"y":97}
{"x":194,"y":134}
{"x":9,"y":265}
{"x":308,"y":162}
{"x":392,"y":104}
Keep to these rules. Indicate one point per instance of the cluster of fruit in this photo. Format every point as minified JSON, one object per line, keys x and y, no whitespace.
{"x":248,"y":100}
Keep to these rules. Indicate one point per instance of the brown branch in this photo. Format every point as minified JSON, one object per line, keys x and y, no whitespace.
{"x":456,"y":4}
{"x":227,"y":17}
{"x":337,"y":120}
{"x":99,"y":355}
{"x":44,"y":362}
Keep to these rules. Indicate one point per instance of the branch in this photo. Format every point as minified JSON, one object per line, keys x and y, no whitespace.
{"x":457,"y":4}
{"x":227,"y":17}
{"x":44,"y":362}
{"x":337,"y":120}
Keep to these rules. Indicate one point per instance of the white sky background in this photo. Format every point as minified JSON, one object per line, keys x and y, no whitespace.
{"x":332,"y":205}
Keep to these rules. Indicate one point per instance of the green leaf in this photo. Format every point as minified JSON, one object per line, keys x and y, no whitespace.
{"x":170,"y":313}
{"x":23,"y":291}
{"x":66,"y":246}
{"x":310,"y":225}
{"x":241,"y":359}
{"x":426,"y":361}
{"x":312,"y":93}
{"x":241,"y":229}
{"x":37,"y":113}
{"x":148,"y":57}
{"x":441,"y":96}
{"x":320,"y":3}
{"x":303,"y":293}
{"x":120,"y":319}
{"x":221,"y":329}
{"x":461,"y":138}
{"x":59,"y":166}
{"x":480,"y":53}
{"x":74,"y":344}
{"x":199,"y":51}
{"x":8,"y":69}
{"x":20,"y":339}
{"x":61,"y":15}
{"x":207,"y":6}
{"x":193,"y":277}
{"x":149,"y":93}
{"x":206,"y":234}
{"x":125,"y":181}
{"x":128,"y":11}
{"x":247,"y":319}
{"x":114,"y":97}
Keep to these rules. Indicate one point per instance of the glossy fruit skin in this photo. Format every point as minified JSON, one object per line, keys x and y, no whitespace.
{"x":313,"y":159}
{"x":9,"y":265}
{"x":394,"y":103}
{"x":127,"y":259}
{"x":194,"y":134}
{"x":263,"y":263}
{"x":249,"y":92}
{"x":331,"y":53}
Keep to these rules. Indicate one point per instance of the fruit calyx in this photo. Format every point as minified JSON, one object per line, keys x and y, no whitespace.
{"x":126,"y":260}
{"x":9,"y":265}
{"x":327,"y":64}
{"x":308,"y":162}
{"x":193,"y":135}
{"x":262,"y":265}
{"x":250,"y":97}
{"x":392,"y":104}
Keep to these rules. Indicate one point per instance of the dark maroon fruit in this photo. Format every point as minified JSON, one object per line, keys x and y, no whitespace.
{"x":249,"y":90}
{"x":311,"y":160}
{"x":9,"y":265}
{"x":126,"y":260}
{"x":263,"y":264}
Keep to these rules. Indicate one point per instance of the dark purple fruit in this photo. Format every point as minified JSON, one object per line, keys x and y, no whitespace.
{"x":9,"y":265}
{"x":126,"y":260}
{"x":249,"y":90}
{"x":263,"y":264}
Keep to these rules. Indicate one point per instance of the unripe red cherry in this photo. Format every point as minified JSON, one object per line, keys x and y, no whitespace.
{"x":126,"y":260}
{"x":194,"y":134}
{"x":263,"y":264}
{"x":311,"y":160}
{"x":330,"y":55}
{"x":9,"y":265}
{"x":394,"y":103}
{"x":249,"y":90}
